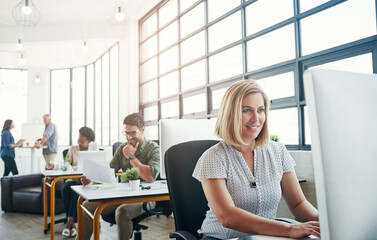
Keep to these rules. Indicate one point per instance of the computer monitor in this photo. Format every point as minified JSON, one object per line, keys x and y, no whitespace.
{"x":343,"y":124}
{"x":174,"y":131}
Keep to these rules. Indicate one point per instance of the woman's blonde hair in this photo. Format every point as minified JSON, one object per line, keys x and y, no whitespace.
{"x":229,"y":118}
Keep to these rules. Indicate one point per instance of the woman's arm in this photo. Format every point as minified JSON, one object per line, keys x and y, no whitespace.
{"x":240,"y":220}
{"x":295,"y":198}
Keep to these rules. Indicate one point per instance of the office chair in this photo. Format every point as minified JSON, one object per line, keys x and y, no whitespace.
{"x":186,"y":193}
{"x":161,"y":208}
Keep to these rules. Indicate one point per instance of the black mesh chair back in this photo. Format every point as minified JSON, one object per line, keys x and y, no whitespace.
{"x":186,"y":194}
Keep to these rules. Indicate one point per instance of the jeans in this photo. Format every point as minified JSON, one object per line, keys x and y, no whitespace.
{"x":9,"y":166}
{"x":70,"y":199}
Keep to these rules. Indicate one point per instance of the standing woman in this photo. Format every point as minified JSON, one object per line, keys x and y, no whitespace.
{"x":7,"y":148}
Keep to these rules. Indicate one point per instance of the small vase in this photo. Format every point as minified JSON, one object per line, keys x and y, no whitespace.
{"x":134,"y":184}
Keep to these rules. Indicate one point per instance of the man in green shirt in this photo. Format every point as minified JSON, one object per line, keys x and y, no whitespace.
{"x":136,"y":152}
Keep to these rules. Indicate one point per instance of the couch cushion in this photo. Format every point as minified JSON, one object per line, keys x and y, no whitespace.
{"x":30,"y":202}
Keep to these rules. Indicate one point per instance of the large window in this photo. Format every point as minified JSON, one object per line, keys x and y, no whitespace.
{"x":191,"y":51}
{"x":13,"y":98}
{"x":87,"y":96}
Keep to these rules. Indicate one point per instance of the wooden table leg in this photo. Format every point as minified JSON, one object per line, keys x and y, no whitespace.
{"x":45,"y":209}
{"x":52,"y":208}
{"x":96,"y":219}
{"x":79,"y":218}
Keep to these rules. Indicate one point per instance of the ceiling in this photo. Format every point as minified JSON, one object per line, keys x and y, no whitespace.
{"x":65,"y":24}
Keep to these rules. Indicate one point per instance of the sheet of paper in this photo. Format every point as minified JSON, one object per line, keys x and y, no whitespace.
{"x":98,"y":172}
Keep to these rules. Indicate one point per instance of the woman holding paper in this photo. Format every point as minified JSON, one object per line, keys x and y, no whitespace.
{"x":7,"y":148}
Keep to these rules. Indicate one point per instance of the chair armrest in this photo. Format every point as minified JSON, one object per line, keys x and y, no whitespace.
{"x":6,"y":194}
{"x":287,"y":220}
{"x":153,"y":211}
{"x":182,"y":234}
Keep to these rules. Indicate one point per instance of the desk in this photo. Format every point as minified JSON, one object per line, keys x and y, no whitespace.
{"x":114,"y":195}
{"x":55,"y":176}
{"x":32,"y":157}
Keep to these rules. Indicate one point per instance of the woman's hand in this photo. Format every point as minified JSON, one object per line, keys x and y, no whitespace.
{"x":304,"y":229}
{"x":85,"y":181}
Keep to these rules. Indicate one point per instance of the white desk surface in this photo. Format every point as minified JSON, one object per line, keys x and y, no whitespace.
{"x":58,"y":173}
{"x":99,"y":192}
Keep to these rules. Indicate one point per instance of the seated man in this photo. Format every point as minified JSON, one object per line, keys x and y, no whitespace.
{"x":137,"y":152}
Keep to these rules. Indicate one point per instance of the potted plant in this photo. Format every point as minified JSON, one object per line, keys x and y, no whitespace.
{"x":66,"y":163}
{"x":131,"y":175}
{"x":274,"y":138}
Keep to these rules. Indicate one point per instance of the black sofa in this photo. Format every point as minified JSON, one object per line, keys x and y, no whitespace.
{"x":24,"y":193}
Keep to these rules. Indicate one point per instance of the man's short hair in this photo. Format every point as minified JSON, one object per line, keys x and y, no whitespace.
{"x":48,"y":116}
{"x":135,"y":119}
{"x":87,"y":133}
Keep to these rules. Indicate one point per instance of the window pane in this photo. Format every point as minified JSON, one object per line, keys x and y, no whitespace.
{"x":217,"y":97}
{"x":149,"y":48}
{"x":105,"y":100}
{"x":13,"y":99}
{"x":343,"y":23}
{"x":114,"y":94}
{"x":150,"y":113}
{"x":170,"y":109}
{"x":169,"y":84}
{"x":362,"y":64}
{"x":149,"y":91}
{"x":60,"y":113}
{"x":168,"y":12}
{"x":192,"y":20}
{"x":78,"y":101}
{"x":90,"y":96}
{"x":149,"y":70}
{"x":308,"y":138}
{"x":169,"y":60}
{"x":97,"y":102}
{"x":225,"y":64}
{"x":278,"y":86}
{"x":168,"y":35}
{"x":217,"y":8}
{"x":186,"y":4}
{"x":194,"y":104}
{"x":265,"y":50}
{"x":225,"y":32}
{"x":263,"y":14}
{"x":309,"y":4}
{"x":148,"y":27}
{"x":193,"y":48}
{"x":151,"y":132}
{"x":193,"y":75}
{"x":284,"y":123}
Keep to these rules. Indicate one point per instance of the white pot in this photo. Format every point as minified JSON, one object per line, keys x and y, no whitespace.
{"x":134,"y":184}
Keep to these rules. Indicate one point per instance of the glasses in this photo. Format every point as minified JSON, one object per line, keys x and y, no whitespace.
{"x":131,"y":134}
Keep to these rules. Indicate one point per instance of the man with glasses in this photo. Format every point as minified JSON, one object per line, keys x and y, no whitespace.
{"x":136,"y":152}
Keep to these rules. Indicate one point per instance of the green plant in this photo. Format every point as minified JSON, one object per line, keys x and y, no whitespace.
{"x":274,"y":138}
{"x":130,"y":174}
{"x":67,"y":159}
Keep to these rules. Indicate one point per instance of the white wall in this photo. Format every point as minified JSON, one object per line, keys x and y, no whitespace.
{"x":128,"y":73}
{"x":38,"y":97}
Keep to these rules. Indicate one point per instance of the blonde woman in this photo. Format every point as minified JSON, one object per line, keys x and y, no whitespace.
{"x":244,"y":176}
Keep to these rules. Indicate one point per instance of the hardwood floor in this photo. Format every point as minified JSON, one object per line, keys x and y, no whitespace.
{"x":15,"y":226}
